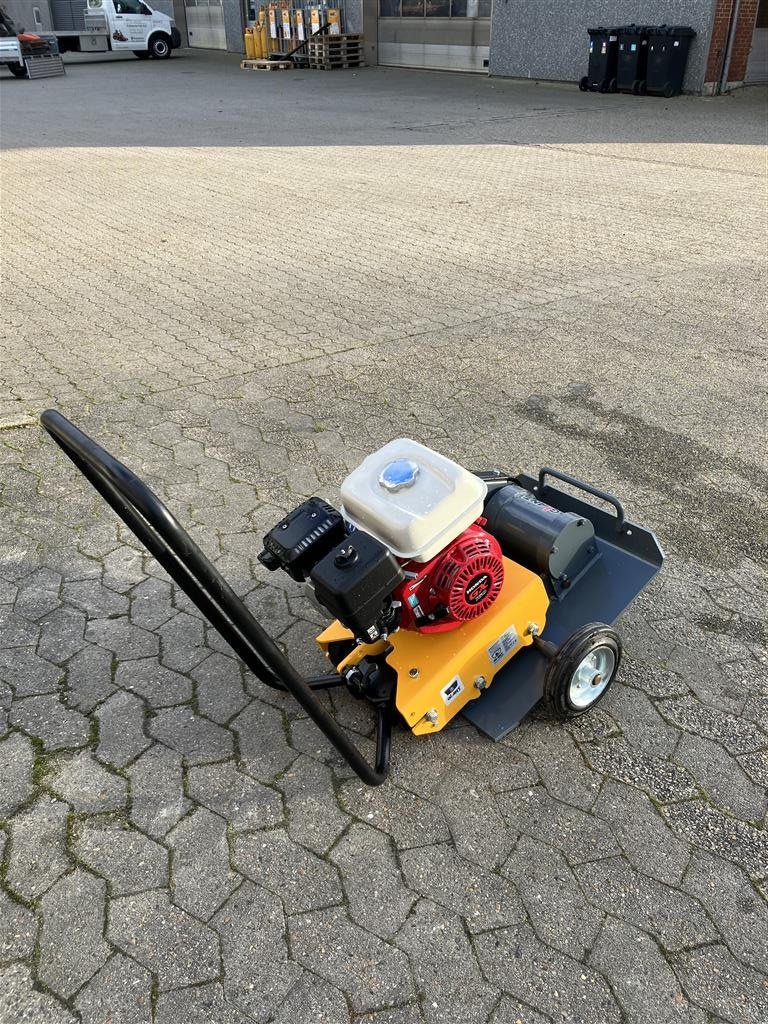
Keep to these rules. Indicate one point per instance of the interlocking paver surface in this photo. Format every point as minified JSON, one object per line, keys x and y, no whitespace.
{"x":241,"y":284}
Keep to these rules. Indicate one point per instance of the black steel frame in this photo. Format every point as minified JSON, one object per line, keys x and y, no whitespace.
{"x":143,"y":512}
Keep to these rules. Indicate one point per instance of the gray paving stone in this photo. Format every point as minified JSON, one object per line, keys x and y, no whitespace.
{"x":642,"y":981}
{"x":220,"y":691}
{"x":197,"y":739}
{"x":372,"y":973}
{"x":721,"y":778}
{"x":201,"y":877}
{"x":654,"y":680}
{"x":264,"y":748}
{"x":200,"y":1004}
{"x":756,"y":767}
{"x":512,"y":1011}
{"x":18,"y":632}
{"x":535,"y":813}
{"x":513,"y":959}
{"x":445,"y":971}
{"x":273,"y":860}
{"x":410,"y":820}
{"x":72,"y":948}
{"x":313,"y":1000}
{"x":733,"y":904}
{"x":671,"y":917}
{"x":89,"y":678}
{"x":38,"y":856}
{"x":735,"y":734}
{"x":85,"y":784}
{"x":119,"y":994}
{"x":18,"y":928}
{"x":257,"y":973}
{"x":62,"y":635}
{"x":641,"y":724}
{"x":20,"y":1001}
{"x":474,"y":819}
{"x":128,"y":860}
{"x":245,"y":803}
{"x":376,"y":894}
{"x":6,"y":697}
{"x":157,"y":793}
{"x":95,"y":600}
{"x":123,"y":568}
{"x":28,"y":674}
{"x":151,"y":604}
{"x":39,"y":595}
{"x":483,"y":899}
{"x":641,"y":832}
{"x":314,"y":816}
{"x":722,"y":985}
{"x":17,"y":756}
{"x":409,"y":1014}
{"x":183,"y":642}
{"x":46,"y":718}
{"x":126,"y":641}
{"x":158,"y":685}
{"x":709,"y":829}
{"x":559,"y":763}
{"x":121,"y":729}
{"x":164,"y":939}
{"x":557,"y":908}
{"x":662,"y":780}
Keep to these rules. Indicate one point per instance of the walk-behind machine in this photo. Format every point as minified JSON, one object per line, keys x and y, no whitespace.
{"x":450,"y":591}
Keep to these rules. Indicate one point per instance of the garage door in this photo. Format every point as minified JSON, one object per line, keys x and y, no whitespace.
{"x":453,"y":35}
{"x":757,"y":66}
{"x":205,"y":24}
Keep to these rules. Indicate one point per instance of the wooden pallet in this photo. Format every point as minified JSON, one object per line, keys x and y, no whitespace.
{"x":315,"y":65}
{"x":266,"y":65}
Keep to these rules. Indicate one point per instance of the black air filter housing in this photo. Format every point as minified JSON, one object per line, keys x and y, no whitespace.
{"x":304,"y":537}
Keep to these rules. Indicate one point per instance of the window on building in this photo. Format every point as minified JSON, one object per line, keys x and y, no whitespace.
{"x":434,"y":8}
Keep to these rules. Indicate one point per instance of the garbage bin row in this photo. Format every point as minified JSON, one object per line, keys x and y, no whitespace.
{"x":638,"y":59}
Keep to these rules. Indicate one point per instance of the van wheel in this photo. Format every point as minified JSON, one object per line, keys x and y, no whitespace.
{"x":18,"y":70}
{"x":160,"y":47}
{"x":141,"y":54}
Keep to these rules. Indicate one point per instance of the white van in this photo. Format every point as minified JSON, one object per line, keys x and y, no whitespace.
{"x":122,"y":25}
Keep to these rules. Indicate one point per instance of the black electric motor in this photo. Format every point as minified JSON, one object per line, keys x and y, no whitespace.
{"x":558,"y":545}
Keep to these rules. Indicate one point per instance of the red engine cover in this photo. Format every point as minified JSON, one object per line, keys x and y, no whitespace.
{"x":457,"y":585}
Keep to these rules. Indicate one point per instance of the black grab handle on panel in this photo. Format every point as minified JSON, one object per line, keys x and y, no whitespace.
{"x":143,"y":512}
{"x":546,"y":471}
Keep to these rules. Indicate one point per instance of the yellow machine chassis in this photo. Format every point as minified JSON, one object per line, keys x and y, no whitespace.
{"x":439,"y":673}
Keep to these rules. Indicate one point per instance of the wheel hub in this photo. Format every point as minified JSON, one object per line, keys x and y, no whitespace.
{"x":591,"y":677}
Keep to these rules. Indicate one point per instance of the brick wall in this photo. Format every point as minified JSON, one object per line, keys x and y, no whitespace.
{"x":742,"y":40}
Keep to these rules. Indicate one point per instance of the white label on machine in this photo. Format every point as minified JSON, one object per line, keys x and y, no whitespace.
{"x":506,"y":643}
{"x":450,"y":692}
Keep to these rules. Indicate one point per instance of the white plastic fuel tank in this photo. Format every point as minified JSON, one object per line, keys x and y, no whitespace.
{"x":412,"y":499}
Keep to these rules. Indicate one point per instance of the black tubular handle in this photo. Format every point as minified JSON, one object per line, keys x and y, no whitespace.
{"x":546,"y":471}
{"x":143,"y":512}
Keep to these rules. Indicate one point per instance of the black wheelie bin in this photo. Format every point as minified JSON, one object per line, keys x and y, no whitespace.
{"x":603,"y":50}
{"x":668,"y":47}
{"x":632,"y":58}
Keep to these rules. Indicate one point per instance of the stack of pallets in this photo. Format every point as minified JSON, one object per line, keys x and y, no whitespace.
{"x":328,"y":52}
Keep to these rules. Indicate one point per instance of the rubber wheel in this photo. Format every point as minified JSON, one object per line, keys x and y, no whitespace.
{"x":160,"y":47}
{"x":612,"y":85}
{"x":141,"y":54}
{"x":669,"y":92}
{"x":641,"y":88}
{"x":583,"y":84}
{"x":582,"y":671}
{"x":18,"y":70}
{"x":636,"y":87}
